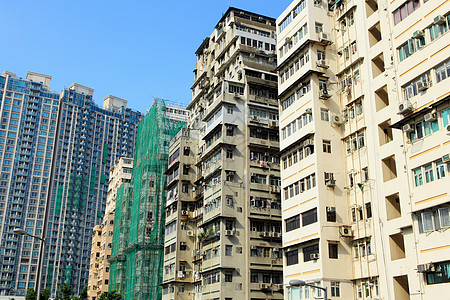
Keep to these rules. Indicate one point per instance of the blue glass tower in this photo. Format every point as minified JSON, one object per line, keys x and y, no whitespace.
{"x":59,"y":160}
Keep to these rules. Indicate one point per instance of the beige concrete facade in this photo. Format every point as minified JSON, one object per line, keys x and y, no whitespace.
{"x":120,"y":173}
{"x":102,"y":235}
{"x":227,"y":238}
{"x":364,"y":142}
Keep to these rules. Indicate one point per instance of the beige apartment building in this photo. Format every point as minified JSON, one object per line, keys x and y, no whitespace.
{"x":223,"y":212}
{"x":364,"y":138}
{"x":102,"y":235}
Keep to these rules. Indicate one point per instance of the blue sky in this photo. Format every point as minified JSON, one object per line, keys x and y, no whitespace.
{"x":135,"y":50}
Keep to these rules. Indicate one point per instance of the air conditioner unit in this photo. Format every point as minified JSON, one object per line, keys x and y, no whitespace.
{"x":331,"y":183}
{"x":308,"y":142}
{"x":276,"y":234}
{"x":314,"y":256}
{"x":345,"y":231}
{"x":439,"y":20}
{"x":418,"y":34}
{"x":252,"y":55}
{"x":271,"y":59}
{"x":331,"y":209}
{"x":423,"y":85}
{"x":253,"y":247}
{"x":323,"y":37}
{"x":430,"y":117}
{"x":405,"y":107}
{"x":264,"y":286}
{"x":273,"y":123}
{"x":407,"y":128}
{"x":323,"y":94}
{"x":237,"y":95}
{"x":255,"y":118}
{"x":446,"y":158}
{"x":189,"y":233}
{"x":337,"y":120}
{"x":229,"y":232}
{"x":448,"y":129}
{"x":322,"y":63}
{"x":287,"y":40}
{"x":423,"y":268}
{"x":308,"y":110}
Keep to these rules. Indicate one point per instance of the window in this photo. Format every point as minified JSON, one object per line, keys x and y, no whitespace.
{"x":368,"y":210}
{"x":331,"y":214}
{"x":441,"y":273}
{"x":307,"y":251}
{"x":434,"y":219}
{"x":230,"y":130}
{"x":326,"y":146}
{"x":429,"y":175}
{"x":365,"y":173}
{"x":229,"y":110}
{"x":292,"y":257}
{"x":319,"y":27}
{"x":333,"y":250}
{"x":230,"y":154}
{"x":335,"y":289}
{"x":228,"y":276}
{"x":324,"y":114}
{"x":411,"y":89}
{"x":186,"y":151}
{"x":228,"y":250}
{"x":293,"y":223}
{"x":309,"y":217}
{"x":432,"y":171}
{"x":405,"y":10}
{"x":411,"y":46}
{"x":436,"y":30}
{"x":442,"y":71}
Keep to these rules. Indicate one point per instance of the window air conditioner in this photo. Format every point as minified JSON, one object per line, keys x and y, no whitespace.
{"x":323,"y":94}
{"x":405,"y":107}
{"x":345,"y":231}
{"x":407,"y":128}
{"x":322,"y":63}
{"x":446,"y":158}
{"x":314,"y":256}
{"x":337,"y":120}
{"x":418,"y":34}
{"x":423,"y":85}
{"x":430,"y":117}
{"x":439,"y":20}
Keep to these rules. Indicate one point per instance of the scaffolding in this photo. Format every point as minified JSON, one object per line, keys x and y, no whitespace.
{"x":138,"y":241}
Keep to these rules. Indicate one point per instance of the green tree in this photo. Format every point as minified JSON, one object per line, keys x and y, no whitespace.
{"x":113,"y":295}
{"x":31,"y":295}
{"x":63,"y":293}
{"x":84,"y":295}
{"x":45,"y":294}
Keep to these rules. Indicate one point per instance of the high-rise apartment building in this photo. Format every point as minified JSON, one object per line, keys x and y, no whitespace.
{"x":56,"y":153}
{"x":365,"y":205}
{"x":223,"y":211}
{"x":138,"y":241}
{"x":102,"y":236}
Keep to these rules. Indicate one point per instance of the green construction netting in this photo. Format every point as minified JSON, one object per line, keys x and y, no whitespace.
{"x":138,"y":241}
{"x":59,"y":194}
{"x":77,"y":191}
{"x":93,"y":175}
{"x":68,"y":274}
{"x":105,"y":153}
